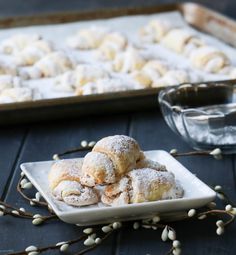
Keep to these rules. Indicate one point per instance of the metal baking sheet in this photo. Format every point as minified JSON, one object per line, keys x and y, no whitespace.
{"x":195,"y":15}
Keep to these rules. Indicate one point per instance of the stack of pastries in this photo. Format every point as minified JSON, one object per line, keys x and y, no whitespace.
{"x":116,"y":172}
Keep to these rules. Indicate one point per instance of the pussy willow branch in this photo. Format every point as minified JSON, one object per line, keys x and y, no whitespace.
{"x":95,"y":245}
{"x":219,"y":212}
{"x":225,"y":198}
{"x":19,"y":189}
{"x":9,"y":210}
{"x":51,"y":247}
{"x":73,"y":150}
{"x":191,"y":153}
{"x":70,"y":242}
{"x":175,"y":154}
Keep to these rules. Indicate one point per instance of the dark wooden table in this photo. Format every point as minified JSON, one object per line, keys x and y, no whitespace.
{"x":35,"y":142}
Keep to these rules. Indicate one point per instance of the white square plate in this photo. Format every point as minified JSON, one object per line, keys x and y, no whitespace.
{"x":196,"y":194}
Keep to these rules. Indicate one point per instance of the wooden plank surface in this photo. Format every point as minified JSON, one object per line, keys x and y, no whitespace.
{"x":11,"y":142}
{"x":41,"y":143}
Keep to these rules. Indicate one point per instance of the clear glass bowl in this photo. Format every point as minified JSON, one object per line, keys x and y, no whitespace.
{"x":204,"y":115}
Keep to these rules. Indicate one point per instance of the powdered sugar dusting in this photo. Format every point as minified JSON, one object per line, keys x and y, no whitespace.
{"x":118,"y":144}
{"x":70,"y":166}
{"x":96,"y":164}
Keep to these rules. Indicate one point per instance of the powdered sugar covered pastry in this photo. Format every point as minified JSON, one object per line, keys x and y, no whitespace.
{"x":107,"y":85}
{"x":178,"y":40}
{"x":110,"y":159}
{"x":155,"y":30}
{"x":9,"y":81}
{"x":174,"y":77}
{"x":112,"y":44}
{"x":148,"y":163}
{"x":51,"y":65}
{"x":151,"y":71}
{"x":7,"y":67}
{"x":142,"y":185}
{"x":64,"y":181}
{"x":87,"y":38}
{"x":229,"y":71}
{"x":17,"y":42}
{"x":33,"y":52}
{"x":128,"y":61}
{"x":209,"y":59}
{"x":81,"y":75}
{"x":18,"y":94}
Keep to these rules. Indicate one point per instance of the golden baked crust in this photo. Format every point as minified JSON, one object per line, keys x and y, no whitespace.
{"x":98,"y":166}
{"x":142,"y":185}
{"x":65,"y":170}
{"x":64,"y":181}
{"x":124,"y":152}
{"x":110,"y":159}
{"x":148,"y":163}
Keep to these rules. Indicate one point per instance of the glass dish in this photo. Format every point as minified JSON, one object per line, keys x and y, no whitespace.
{"x":203,"y":114}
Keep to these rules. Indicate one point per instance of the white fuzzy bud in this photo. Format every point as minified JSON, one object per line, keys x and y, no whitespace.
{"x":37,"y":216}
{"x":1,"y":213}
{"x":2,"y":208}
{"x":22,"y":174}
{"x":93,"y":236}
{"x":23,"y":182}
{"x":64,"y":247}
{"x":106,"y":229}
{"x":233,"y":211}
{"x":216,"y":153}
{"x":173,"y":151}
{"x":202,"y":217}
{"x":211,"y":205}
{"x":60,"y":243}
{"x":146,"y":226}
{"x":191,"y":212}
{"x":37,"y":221}
{"x":136,"y":225}
{"x":89,"y":241}
{"x":116,"y":225}
{"x":154,"y":227}
{"x":91,"y":144}
{"x":84,"y":143}
{"x":164,"y":234}
{"x":156,"y":219}
{"x":55,"y":157}
{"x":15,"y":212}
{"x":220,"y":223}
{"x":31,"y":248}
{"x":228,"y":208}
{"x":98,"y":240}
{"x":220,"y":231}
{"x":176,"y":244}
{"x":88,"y":231}
{"x":37,"y":196}
{"x":22,"y":209}
{"x":27,"y":185}
{"x":32,"y":203}
{"x":171,"y":235}
{"x":33,"y":253}
{"x":220,"y":196}
{"x":177,"y":251}
{"x":217,"y":188}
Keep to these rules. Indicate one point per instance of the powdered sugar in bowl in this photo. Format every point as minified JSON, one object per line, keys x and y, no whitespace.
{"x":203,"y":114}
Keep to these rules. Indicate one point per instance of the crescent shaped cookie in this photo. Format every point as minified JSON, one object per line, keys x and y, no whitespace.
{"x":64,"y":182}
{"x":111,"y":158}
{"x":142,"y":185}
